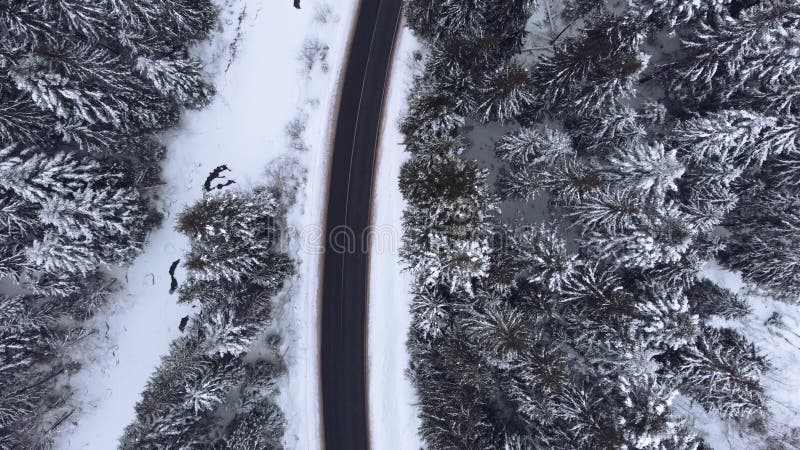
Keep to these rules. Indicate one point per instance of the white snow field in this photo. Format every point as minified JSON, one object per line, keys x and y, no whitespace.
{"x":262,"y":84}
{"x":392,"y":410}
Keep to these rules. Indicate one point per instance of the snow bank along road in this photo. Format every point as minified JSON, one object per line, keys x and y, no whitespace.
{"x":344,"y":283}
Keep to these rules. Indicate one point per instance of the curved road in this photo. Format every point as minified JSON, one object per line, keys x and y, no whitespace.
{"x":344,"y":285}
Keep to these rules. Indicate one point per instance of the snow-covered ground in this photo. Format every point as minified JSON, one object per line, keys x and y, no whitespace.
{"x":262,"y":84}
{"x":393,"y":420}
{"x":780,"y":341}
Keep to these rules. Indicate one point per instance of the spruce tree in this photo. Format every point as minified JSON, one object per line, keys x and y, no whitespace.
{"x":721,"y":371}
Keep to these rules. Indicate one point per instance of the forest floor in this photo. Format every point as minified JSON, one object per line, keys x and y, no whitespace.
{"x":392,"y":408}
{"x":276,"y":70}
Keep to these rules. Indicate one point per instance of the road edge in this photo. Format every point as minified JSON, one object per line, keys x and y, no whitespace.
{"x":378,"y":153}
{"x":333,"y":121}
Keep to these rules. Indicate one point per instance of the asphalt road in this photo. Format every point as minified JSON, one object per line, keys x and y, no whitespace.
{"x":344,"y":285}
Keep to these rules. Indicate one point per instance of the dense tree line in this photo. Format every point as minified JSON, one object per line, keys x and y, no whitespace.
{"x":216,"y":387}
{"x":84,"y":87}
{"x":578,"y":332}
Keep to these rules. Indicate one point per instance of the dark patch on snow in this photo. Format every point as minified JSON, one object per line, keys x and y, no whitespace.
{"x":173,"y":283}
{"x":216,"y":174}
{"x":184,"y":321}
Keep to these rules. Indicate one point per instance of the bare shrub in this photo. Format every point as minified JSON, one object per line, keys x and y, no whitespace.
{"x":314,"y":51}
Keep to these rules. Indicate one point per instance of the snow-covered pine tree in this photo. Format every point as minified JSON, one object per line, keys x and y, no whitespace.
{"x":436,"y":20}
{"x":542,"y":258}
{"x":533,"y":146}
{"x":35,"y":333}
{"x":601,"y":131}
{"x":160,"y":27}
{"x":177,"y":77}
{"x":505,"y":21}
{"x":764,"y":243}
{"x":567,"y":181}
{"x":261,"y":427}
{"x":432,"y":113}
{"x":721,"y":370}
{"x":663,"y":238}
{"x":736,"y":137}
{"x":239,"y":230}
{"x":593,"y":71}
{"x":665,"y":320}
{"x":432,"y":312}
{"x":66,"y":216}
{"x":719,"y":61}
{"x":610,"y":211}
{"x":505,"y":93}
{"x":707,"y":298}
{"x":92,"y":85}
{"x":450,"y":212}
{"x":673,"y":13}
{"x":21,"y":121}
{"x":650,"y":169}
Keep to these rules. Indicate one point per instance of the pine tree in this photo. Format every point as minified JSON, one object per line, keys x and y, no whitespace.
{"x":721,"y":371}
{"x":720,"y":61}
{"x":673,"y":13}
{"x":262,"y":427}
{"x":763,"y":244}
{"x":232,"y":237}
{"x":664,"y":317}
{"x":21,"y":121}
{"x":506,"y":20}
{"x":647,"y":168}
{"x":78,"y":81}
{"x":528,"y":146}
{"x":706,"y":299}
{"x":738,"y":138}
{"x":159,"y":27}
{"x":543,"y":258}
{"x":610,"y":211}
{"x":601,"y":131}
{"x":444,"y":19}
{"x":432,"y":312}
{"x":450,"y":212}
{"x":67,"y":217}
{"x":505,"y":93}
{"x":593,"y":71}
{"x":431,"y":114}
{"x":177,"y":77}
{"x":223,"y":334}
{"x":500,"y":334}
{"x":664,"y":238}
{"x":567,"y":181}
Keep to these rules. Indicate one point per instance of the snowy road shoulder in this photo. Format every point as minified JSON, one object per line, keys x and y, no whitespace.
{"x":392,"y":412}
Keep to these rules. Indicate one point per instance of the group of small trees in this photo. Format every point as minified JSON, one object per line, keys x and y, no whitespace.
{"x":217,"y":385}
{"x":652,"y":163}
{"x":84,"y":85}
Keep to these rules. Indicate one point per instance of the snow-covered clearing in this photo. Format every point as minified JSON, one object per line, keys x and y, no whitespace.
{"x":774,"y":327}
{"x":263,"y":83}
{"x":393,"y":420}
